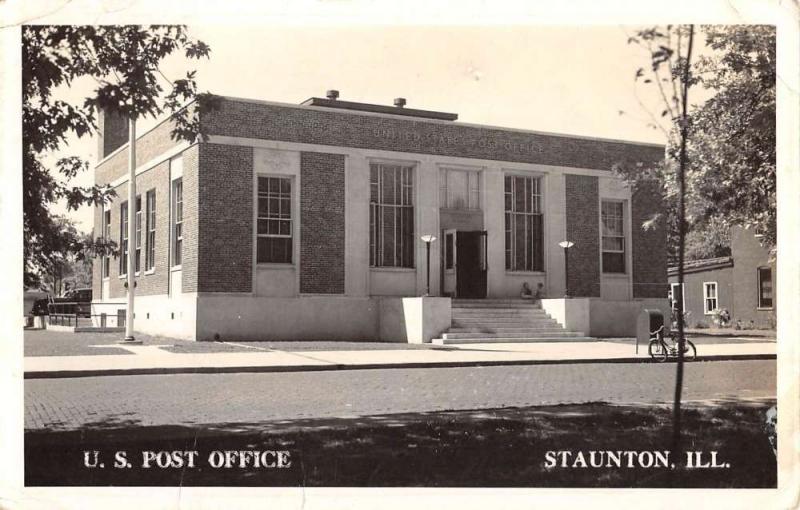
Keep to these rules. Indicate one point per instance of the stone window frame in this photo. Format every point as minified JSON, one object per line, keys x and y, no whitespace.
{"x":622,"y":235}
{"x":373,"y":249}
{"x":123,"y":239}
{"x":707,"y":310}
{"x":293,"y":202}
{"x":139,"y":243}
{"x":176,"y":225}
{"x":540,"y":179}
{"x":105,"y":260}
{"x":150,"y":231}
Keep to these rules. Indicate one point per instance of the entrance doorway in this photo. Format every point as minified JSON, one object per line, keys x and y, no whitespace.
{"x":464,"y":263}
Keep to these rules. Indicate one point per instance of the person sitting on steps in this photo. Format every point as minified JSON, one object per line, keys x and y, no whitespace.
{"x":528,"y":293}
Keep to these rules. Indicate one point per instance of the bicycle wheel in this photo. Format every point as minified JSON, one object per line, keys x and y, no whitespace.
{"x":690,"y":351}
{"x":657,"y":350}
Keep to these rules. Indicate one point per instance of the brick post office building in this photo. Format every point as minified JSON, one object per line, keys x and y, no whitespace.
{"x":305,"y":222}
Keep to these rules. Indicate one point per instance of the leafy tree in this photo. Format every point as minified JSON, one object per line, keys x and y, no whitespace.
{"x":730,"y":178}
{"x":63,"y":251}
{"x":732,"y":150}
{"x":707,"y":240}
{"x":124,"y":62}
{"x":720,"y":165}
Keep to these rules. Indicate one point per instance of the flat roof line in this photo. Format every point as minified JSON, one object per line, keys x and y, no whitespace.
{"x":443,"y":122}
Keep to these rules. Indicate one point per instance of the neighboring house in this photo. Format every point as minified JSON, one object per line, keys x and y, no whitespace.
{"x":305,"y":221}
{"x":743,"y":284}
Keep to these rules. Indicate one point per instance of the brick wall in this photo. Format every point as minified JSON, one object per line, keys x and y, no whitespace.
{"x":583,"y":212}
{"x":225,"y":219}
{"x":322,"y":223}
{"x":153,"y":283}
{"x":191,"y":224}
{"x":337,"y":128}
{"x":150,"y":145}
{"x":649,"y":250}
{"x":112,"y":133}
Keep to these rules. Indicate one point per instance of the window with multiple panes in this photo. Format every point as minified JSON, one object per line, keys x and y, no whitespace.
{"x":391,"y":216}
{"x":177,"y":221}
{"x":613,"y":236}
{"x":123,"y":238}
{"x":710,"y":298}
{"x":459,"y":189}
{"x":764,"y":287}
{"x":106,"y":264}
{"x":138,"y":246}
{"x":274,"y":220}
{"x":524,"y":223}
{"x":150,"y":259}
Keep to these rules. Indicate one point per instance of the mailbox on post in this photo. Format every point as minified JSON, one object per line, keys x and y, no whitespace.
{"x":649,"y":320}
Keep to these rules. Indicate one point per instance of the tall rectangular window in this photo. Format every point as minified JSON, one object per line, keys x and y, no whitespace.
{"x":123,"y":238}
{"x":524,"y":223}
{"x":764,"y":287}
{"x":710,"y":299}
{"x":459,"y":189}
{"x":391,"y":216}
{"x":274,"y":220}
{"x":150,"y":259}
{"x":106,"y":267}
{"x":177,"y":221}
{"x":138,"y":246}
{"x":613,"y":233}
{"x":449,"y":242}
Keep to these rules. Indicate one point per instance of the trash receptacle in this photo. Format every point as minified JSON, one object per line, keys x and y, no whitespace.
{"x":649,"y":320}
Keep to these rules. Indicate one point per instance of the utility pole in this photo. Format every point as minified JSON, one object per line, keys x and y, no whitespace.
{"x":131,"y":280}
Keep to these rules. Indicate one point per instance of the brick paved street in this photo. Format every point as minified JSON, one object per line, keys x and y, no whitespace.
{"x":229,"y":399}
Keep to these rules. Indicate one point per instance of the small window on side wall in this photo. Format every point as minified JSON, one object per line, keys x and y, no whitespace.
{"x":765,"y":287}
{"x":710,"y":297}
{"x":177,"y":222}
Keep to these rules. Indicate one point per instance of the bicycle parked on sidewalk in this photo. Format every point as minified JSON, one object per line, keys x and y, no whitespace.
{"x":661,"y":349}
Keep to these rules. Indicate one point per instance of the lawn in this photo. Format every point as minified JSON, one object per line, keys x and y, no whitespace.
{"x":496,"y":448}
{"x":56,"y":343}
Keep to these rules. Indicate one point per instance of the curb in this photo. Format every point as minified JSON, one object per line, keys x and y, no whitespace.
{"x":729,"y":334}
{"x":59,"y":374}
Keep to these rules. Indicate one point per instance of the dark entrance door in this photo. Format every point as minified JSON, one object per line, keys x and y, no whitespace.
{"x":471,"y":264}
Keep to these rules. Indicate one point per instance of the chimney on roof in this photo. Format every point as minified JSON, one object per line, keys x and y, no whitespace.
{"x":399,"y":102}
{"x":332,"y":94}
{"x":112,"y":132}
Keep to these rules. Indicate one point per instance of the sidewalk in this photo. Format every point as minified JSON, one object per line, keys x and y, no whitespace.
{"x":731,"y":332}
{"x":154,"y":359}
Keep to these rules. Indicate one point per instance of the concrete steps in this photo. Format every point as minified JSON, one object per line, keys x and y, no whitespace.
{"x":494,"y":340}
{"x":503,"y":321}
{"x":544,"y":333}
{"x":491,"y":312}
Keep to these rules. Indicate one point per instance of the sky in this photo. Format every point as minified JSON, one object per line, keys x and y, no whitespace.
{"x":573,"y":80}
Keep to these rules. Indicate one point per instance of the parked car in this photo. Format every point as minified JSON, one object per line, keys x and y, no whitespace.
{"x":81,"y":299}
